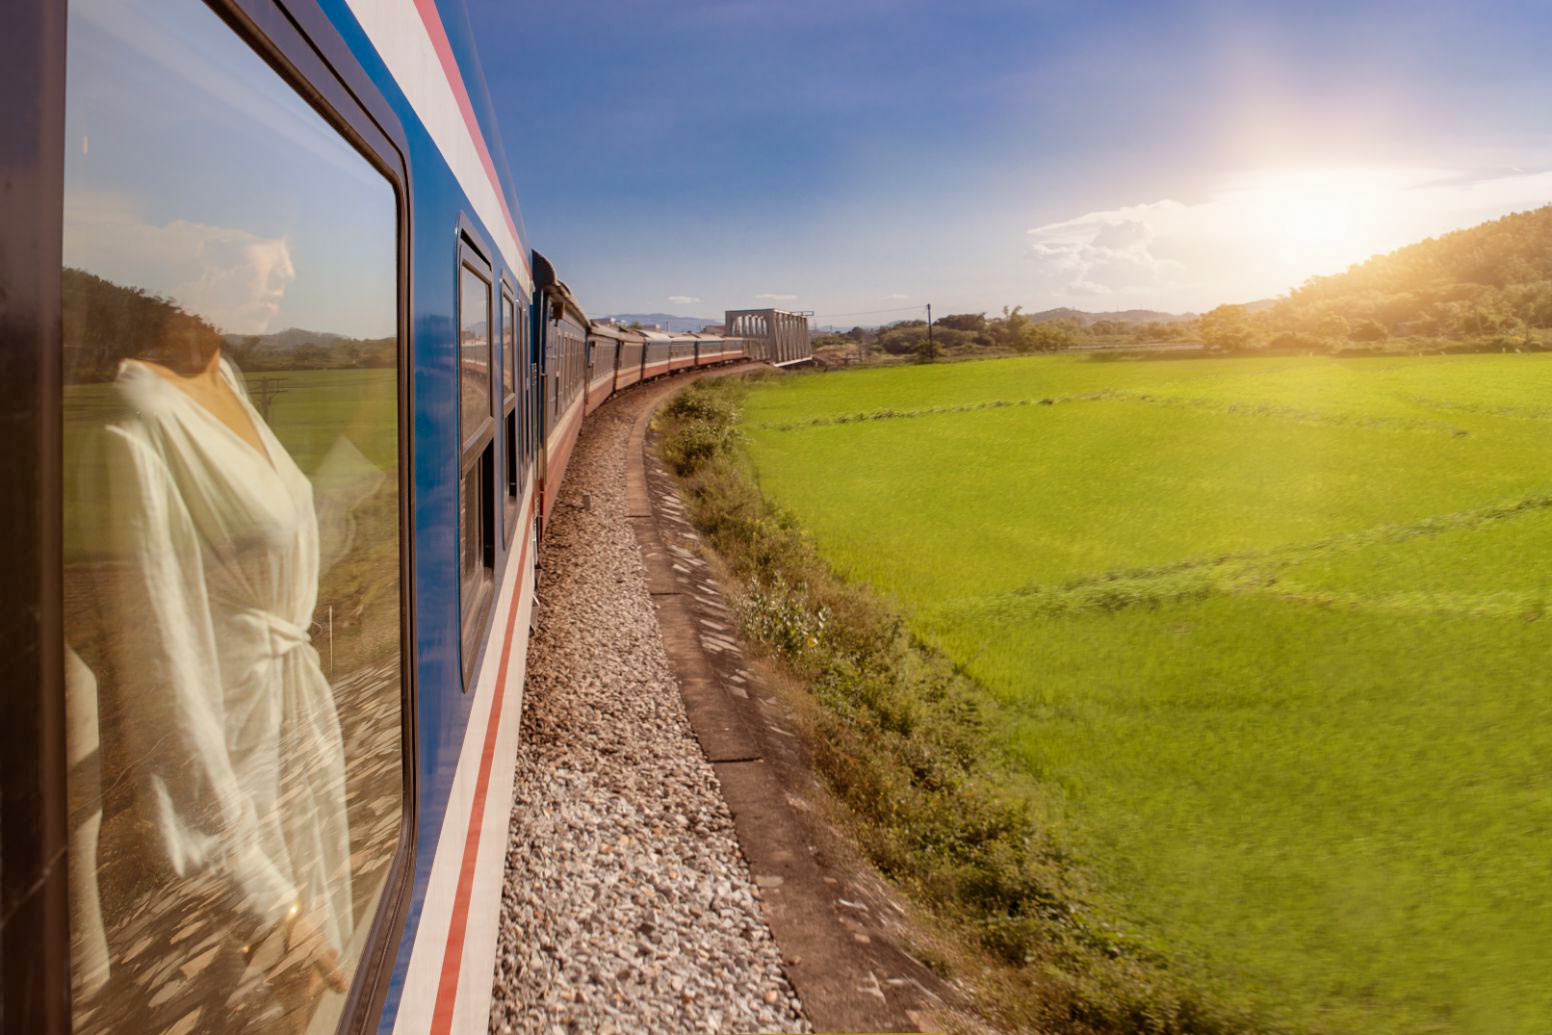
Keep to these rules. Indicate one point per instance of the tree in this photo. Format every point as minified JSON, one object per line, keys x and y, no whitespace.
{"x":1331,"y":325}
{"x":1009,"y":331}
{"x":1226,"y":327}
{"x":963,"y":322}
{"x":1044,"y":337}
{"x":1368,"y":330}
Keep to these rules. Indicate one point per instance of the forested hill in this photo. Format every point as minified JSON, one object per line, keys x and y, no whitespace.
{"x":1495,"y":278}
{"x":103,"y":322}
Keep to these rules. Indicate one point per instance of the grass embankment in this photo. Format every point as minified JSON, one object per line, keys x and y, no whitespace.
{"x":902,"y":739}
{"x":1261,"y":640}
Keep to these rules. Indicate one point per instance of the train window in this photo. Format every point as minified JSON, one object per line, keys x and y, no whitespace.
{"x":232,"y":524}
{"x":509,"y":406}
{"x":477,"y":470}
{"x":474,"y":353}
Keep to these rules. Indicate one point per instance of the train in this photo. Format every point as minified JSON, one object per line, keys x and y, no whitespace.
{"x":290,"y":399}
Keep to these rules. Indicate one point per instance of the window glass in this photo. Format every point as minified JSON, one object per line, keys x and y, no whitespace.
{"x":471,"y":536}
{"x":232,"y":531}
{"x":474,"y":352}
{"x":508,"y":344}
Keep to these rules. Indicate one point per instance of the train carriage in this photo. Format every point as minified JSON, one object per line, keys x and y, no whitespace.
{"x":292,"y":397}
{"x":681,"y":352}
{"x":265,"y":272}
{"x":708,"y":349}
{"x":561,"y":328}
{"x":603,"y":356}
{"x":629,"y":346}
{"x":656,"y":354}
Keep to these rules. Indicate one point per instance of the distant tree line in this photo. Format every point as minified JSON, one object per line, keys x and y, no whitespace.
{"x":1015,"y":331}
{"x":251,"y":353}
{"x":104,"y":322}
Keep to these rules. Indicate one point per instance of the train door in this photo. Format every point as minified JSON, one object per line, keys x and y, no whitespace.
{"x":509,"y":415}
{"x":544,"y":372}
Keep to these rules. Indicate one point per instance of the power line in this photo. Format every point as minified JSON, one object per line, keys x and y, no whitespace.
{"x":868,"y":312}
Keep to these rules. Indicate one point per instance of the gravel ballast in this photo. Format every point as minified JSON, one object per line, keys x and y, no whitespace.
{"x":627,"y":905}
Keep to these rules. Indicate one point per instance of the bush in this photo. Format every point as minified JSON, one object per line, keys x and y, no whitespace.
{"x":1298,"y":341}
{"x":706,"y":428}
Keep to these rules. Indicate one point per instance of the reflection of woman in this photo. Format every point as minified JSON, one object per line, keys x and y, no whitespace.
{"x":223,"y":717}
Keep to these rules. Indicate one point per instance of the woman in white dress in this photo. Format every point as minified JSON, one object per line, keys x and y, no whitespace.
{"x":222,"y":717}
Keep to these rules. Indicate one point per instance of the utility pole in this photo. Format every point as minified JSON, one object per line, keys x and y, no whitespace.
{"x":932,"y":354}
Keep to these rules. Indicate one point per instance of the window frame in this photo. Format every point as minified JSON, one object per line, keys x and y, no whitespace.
{"x":471,"y":260}
{"x":508,"y":411}
{"x":303,"y":47}
{"x":476,"y":448}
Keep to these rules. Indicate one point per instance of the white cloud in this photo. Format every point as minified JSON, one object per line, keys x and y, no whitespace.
{"x":683,"y":299}
{"x":768,"y":297}
{"x":1261,"y":234}
{"x":896,"y":296}
{"x":234,"y":278}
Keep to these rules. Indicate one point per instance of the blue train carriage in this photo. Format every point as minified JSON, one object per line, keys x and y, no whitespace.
{"x":626,"y":346}
{"x":561,"y":329}
{"x":602,"y":355}
{"x":681,"y":352}
{"x":657,"y":350}
{"x":708,"y":349}
{"x":270,"y":375}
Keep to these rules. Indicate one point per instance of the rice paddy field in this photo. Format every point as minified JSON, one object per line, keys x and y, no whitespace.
{"x":1268,"y":637}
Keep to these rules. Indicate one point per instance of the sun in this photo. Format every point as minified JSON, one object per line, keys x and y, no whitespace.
{"x":1312,"y":217}
{"x":1313,"y":223}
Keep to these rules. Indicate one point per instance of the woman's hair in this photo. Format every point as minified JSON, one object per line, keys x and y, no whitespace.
{"x":103,"y":323}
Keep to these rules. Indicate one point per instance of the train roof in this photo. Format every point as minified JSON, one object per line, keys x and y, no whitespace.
{"x":604,"y":329}
{"x":561,"y":297}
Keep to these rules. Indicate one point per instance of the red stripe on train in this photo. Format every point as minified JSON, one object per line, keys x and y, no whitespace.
{"x":452,"y":957}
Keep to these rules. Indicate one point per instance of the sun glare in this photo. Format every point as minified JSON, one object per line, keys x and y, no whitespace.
{"x":1316,"y":219}
{"x":1313,"y":223}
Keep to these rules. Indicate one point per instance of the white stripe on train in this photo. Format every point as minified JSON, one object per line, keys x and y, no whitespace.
{"x":397,"y":31}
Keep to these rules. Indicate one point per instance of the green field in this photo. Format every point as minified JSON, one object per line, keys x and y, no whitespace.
{"x":1268,"y":634}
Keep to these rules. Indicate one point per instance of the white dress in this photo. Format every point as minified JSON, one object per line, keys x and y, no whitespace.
{"x":227,"y":721}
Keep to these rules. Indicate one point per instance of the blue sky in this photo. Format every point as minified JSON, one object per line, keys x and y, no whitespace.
{"x":862,"y":155}
{"x":192,"y":171}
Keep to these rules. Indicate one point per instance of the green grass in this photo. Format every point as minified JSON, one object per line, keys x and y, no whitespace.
{"x":1267,"y":634}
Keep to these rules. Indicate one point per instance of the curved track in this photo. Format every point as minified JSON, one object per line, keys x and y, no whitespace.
{"x":627,"y":905}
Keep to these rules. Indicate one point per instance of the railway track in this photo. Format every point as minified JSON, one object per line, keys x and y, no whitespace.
{"x":670,"y":864}
{"x":627,"y":905}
